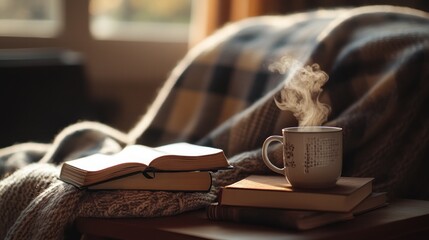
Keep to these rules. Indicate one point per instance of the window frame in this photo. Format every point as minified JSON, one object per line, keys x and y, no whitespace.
{"x":125,"y":61}
{"x":140,"y":31}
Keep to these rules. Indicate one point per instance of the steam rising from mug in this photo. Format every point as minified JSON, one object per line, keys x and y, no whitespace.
{"x":301,"y":92}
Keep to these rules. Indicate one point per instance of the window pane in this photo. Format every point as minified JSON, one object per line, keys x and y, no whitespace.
{"x":141,"y":19}
{"x":39,"y":18}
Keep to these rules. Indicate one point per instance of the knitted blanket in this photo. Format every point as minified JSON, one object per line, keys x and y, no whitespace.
{"x":222,"y":94}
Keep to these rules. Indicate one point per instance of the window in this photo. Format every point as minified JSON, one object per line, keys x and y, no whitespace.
{"x":34,"y":18}
{"x":160,"y":20}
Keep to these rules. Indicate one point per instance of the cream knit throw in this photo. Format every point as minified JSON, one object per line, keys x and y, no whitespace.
{"x":37,"y":205}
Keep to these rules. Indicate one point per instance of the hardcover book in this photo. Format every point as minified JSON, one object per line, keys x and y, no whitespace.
{"x":275,"y":192}
{"x":292,"y":219}
{"x":138,"y":158}
{"x":195,"y":181}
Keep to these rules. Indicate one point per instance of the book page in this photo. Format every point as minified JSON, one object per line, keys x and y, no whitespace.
{"x":138,"y":153}
{"x":93,"y":162}
{"x":142,"y":156}
{"x":130,"y":154}
{"x":186,"y":149}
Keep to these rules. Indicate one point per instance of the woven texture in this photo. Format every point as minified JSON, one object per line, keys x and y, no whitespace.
{"x":222,"y":94}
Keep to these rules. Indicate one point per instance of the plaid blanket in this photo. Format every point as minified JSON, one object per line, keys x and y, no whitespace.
{"x":222,"y":94}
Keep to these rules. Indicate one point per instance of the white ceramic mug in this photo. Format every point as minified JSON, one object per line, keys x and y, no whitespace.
{"x":312,"y":156}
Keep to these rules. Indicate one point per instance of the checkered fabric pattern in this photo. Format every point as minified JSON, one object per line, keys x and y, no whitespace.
{"x":229,"y":72}
{"x":222,"y":93}
{"x":377,"y":62}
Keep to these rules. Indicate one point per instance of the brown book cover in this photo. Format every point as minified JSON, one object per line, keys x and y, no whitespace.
{"x":196,"y":181}
{"x":291,"y":219}
{"x":98,"y":168}
{"x":275,"y":192}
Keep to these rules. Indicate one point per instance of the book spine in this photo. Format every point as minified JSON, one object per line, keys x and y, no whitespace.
{"x":271,"y":217}
{"x":257,"y":216}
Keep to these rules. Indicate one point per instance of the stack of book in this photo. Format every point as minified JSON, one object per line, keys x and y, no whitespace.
{"x":173,"y":167}
{"x":270,"y":200}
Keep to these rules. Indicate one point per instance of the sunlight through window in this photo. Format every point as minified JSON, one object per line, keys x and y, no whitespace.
{"x":34,"y":18}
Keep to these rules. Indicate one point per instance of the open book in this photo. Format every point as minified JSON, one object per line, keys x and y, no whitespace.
{"x":138,"y":158}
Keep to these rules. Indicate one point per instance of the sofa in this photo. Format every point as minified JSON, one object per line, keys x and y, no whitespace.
{"x":222,"y":94}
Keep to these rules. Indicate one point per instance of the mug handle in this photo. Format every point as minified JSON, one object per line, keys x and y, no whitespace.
{"x":265,"y":157}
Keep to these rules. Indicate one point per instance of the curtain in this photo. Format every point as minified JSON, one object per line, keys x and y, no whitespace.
{"x":210,"y":15}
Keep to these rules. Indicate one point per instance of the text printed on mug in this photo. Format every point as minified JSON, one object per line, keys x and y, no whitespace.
{"x":320,"y":152}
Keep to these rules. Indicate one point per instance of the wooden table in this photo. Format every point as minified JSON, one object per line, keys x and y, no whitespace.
{"x":402,"y":219}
